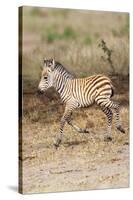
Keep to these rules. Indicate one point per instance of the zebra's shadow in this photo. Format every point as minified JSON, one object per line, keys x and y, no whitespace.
{"x":71,"y":143}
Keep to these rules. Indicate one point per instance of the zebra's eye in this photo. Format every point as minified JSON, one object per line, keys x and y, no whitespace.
{"x":45,"y":77}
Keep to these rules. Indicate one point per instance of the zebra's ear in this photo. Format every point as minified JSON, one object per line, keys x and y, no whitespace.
{"x":53,"y":64}
{"x":45,"y":60}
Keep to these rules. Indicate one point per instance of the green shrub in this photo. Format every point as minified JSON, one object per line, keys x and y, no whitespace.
{"x":68,"y":33}
{"x":51,"y":36}
{"x":88,"y":40}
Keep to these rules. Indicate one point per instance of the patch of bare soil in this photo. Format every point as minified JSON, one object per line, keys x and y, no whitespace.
{"x":82,"y":162}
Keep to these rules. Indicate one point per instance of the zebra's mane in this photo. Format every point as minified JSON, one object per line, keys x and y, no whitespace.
{"x":62,"y":70}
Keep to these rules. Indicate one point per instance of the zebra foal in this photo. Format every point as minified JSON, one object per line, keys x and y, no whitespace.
{"x":79,"y":92}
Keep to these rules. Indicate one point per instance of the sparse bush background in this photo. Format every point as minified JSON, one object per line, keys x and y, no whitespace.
{"x":72,"y":37}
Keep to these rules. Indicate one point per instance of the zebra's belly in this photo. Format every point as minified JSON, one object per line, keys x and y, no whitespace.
{"x":84,"y":102}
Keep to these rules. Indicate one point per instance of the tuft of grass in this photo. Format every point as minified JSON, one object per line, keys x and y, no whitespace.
{"x":88,"y":40}
{"x":69,"y":33}
{"x":52,"y":36}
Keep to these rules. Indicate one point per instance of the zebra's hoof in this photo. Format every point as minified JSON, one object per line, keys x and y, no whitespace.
{"x":120,"y":129}
{"x":107,"y":139}
{"x":57,"y":142}
{"x":83,"y":130}
{"x":86,"y":130}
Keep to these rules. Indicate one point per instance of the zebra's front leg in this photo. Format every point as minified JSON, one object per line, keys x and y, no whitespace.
{"x":59,"y":137}
{"x":64,"y":119}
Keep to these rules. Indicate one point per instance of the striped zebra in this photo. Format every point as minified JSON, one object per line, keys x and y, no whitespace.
{"x":79,"y":92}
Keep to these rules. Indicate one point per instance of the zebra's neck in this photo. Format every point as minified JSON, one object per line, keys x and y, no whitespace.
{"x":59,"y":83}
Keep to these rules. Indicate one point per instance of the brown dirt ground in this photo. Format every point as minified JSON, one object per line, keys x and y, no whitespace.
{"x":83,"y":161}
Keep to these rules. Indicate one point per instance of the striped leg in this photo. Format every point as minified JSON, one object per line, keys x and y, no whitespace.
{"x":108,"y":104}
{"x":64,"y":119}
{"x":109,"y":115}
{"x":116,"y":107}
{"x":104,"y":103}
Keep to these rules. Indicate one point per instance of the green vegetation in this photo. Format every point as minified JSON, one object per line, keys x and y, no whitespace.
{"x":50,"y":35}
{"x":88,"y":40}
{"x":68,"y":33}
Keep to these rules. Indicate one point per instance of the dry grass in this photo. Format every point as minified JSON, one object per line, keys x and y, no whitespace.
{"x":83,"y":161}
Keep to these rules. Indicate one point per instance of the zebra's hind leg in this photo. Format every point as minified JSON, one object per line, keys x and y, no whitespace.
{"x":116,"y":107}
{"x":109,"y":115}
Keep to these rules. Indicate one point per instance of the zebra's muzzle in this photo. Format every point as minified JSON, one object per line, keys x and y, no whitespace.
{"x":39,"y":92}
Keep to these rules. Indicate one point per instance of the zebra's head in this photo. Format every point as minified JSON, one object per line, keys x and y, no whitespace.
{"x":46,"y":75}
